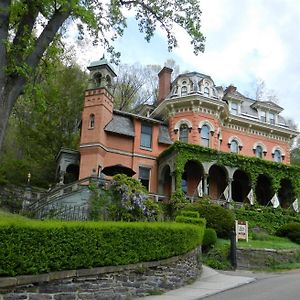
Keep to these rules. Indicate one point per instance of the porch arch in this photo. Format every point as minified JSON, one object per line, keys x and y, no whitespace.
{"x":165,"y":184}
{"x":191,"y":177}
{"x":217,"y":181}
{"x":72,"y":173}
{"x":263,"y":190}
{"x":286,"y":193}
{"x":241,"y":186}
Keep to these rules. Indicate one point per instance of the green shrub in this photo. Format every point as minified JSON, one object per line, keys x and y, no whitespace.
{"x":191,"y":214}
{"x":189,"y":220}
{"x":217,"y":217}
{"x":290,"y":230}
{"x":267,"y":218}
{"x":172,"y":206}
{"x":32,"y":247}
{"x":260,"y":236}
{"x":209,"y":238}
{"x":218,"y":257}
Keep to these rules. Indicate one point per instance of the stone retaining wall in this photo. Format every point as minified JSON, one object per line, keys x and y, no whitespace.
{"x":106,"y":283}
{"x":264,"y":258}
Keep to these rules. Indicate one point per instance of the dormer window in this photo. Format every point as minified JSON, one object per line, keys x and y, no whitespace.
{"x":206,"y":91}
{"x":184,"y":89}
{"x":263,"y":116}
{"x":272,"y":118}
{"x":234,"y":108}
{"x":91,"y":121}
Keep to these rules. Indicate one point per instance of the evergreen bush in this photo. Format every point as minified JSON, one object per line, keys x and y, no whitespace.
{"x":217,"y":217}
{"x":266,"y":218}
{"x":32,"y":247}
{"x":209,"y":238}
{"x":290,"y":230}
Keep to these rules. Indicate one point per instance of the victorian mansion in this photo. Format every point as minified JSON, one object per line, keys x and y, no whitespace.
{"x":190,"y":109}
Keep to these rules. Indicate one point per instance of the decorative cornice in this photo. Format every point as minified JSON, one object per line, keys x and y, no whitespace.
{"x":116,"y":151}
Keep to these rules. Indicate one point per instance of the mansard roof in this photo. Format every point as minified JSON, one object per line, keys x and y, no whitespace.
{"x":249,"y":106}
{"x":196,"y":82}
{"x":122,"y":123}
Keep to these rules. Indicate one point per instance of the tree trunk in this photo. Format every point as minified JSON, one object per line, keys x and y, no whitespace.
{"x":4,"y":115}
{"x":8,"y":97}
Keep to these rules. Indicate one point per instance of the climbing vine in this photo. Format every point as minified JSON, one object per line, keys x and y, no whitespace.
{"x":251,"y":165}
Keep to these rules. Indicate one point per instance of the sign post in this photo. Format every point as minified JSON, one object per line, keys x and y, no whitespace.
{"x":241,"y":229}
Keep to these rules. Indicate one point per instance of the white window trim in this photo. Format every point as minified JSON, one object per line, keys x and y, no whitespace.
{"x":278,"y":148}
{"x":260,"y":144}
{"x":210,"y":125}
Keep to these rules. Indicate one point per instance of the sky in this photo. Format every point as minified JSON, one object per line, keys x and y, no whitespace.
{"x":245,"y":41}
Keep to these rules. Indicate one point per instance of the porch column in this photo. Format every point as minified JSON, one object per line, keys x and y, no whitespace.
{"x":205,"y":184}
{"x":173,"y":185}
{"x":230,"y":180}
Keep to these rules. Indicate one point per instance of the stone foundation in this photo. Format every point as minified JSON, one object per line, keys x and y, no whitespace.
{"x":106,"y":283}
{"x":264,"y":258}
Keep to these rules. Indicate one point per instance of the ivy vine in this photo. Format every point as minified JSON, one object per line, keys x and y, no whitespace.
{"x":252,"y":166}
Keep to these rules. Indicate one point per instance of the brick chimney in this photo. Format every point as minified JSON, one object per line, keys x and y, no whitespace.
{"x":230,"y":89}
{"x":164,"y":83}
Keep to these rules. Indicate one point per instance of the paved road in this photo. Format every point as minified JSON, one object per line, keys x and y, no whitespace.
{"x":272,"y":286}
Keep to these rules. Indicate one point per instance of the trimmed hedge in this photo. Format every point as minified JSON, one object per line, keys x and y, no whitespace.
{"x":190,"y":214}
{"x":217,"y":217}
{"x":32,"y":247}
{"x":190,"y":220}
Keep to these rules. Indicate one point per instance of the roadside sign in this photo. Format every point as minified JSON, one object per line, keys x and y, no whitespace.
{"x":241,"y":229}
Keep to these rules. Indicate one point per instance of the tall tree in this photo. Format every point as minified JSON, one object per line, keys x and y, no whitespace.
{"x":137,"y":84}
{"x":45,"y":118}
{"x":21,"y":47}
{"x":262,"y":93}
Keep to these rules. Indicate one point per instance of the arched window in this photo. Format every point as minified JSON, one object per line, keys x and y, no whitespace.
{"x":98,"y":79}
{"x":277,"y":156}
{"x":259,"y":151}
{"x":183,"y":133}
{"x":184,"y":89}
{"x":234,"y":108}
{"x":92,"y":121}
{"x":205,"y":136}
{"x":234,"y":146}
{"x":206,"y":91}
{"x":108,"y":81}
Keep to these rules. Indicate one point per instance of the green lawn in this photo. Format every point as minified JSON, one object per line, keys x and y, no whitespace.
{"x":271,"y":242}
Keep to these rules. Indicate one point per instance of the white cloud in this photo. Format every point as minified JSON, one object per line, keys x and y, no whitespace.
{"x":246,"y":40}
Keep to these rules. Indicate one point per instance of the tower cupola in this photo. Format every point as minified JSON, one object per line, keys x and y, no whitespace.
{"x":101,"y":74}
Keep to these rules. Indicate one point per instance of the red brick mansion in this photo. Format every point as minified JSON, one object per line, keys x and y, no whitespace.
{"x":193,"y":110}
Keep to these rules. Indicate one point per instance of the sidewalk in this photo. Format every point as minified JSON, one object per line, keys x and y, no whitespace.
{"x":211,"y":282}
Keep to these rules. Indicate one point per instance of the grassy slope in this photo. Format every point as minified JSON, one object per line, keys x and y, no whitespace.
{"x":4,"y":215}
{"x":273,"y":242}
